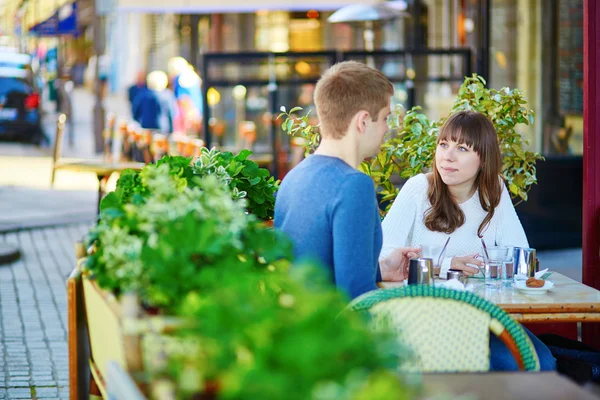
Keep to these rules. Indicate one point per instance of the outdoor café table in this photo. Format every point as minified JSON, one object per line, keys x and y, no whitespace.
{"x":102,"y":169}
{"x":504,"y":386}
{"x":568,"y":301}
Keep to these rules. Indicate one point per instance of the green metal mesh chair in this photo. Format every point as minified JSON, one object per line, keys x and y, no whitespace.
{"x":447,"y":330}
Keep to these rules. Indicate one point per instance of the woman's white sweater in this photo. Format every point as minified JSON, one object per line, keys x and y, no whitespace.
{"x":404,"y":224}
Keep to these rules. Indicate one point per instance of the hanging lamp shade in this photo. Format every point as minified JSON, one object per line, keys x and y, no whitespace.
{"x":366,"y":12}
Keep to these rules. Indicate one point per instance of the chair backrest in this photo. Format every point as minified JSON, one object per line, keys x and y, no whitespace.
{"x":60,"y":129}
{"x":447,"y":330}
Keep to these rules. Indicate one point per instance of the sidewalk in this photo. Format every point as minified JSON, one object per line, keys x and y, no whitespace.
{"x":27,"y":198}
{"x":33,"y":313}
{"x":24,"y":208}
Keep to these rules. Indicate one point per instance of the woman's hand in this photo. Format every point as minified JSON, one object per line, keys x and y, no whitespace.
{"x":461,"y":263}
{"x":394,"y":268}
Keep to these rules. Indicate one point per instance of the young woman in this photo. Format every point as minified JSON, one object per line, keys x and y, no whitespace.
{"x":465,"y":198}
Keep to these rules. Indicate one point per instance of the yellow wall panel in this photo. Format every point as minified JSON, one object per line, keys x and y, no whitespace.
{"x":206,"y":6}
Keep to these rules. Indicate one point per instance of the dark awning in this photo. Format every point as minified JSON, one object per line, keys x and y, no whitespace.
{"x":62,"y":22}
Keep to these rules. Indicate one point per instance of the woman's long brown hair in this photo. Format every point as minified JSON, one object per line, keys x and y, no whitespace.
{"x":476,"y":131}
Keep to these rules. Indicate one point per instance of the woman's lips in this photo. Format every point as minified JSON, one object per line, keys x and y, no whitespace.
{"x":449,"y":169}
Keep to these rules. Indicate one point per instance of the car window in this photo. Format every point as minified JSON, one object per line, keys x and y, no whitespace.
{"x":8,"y":85}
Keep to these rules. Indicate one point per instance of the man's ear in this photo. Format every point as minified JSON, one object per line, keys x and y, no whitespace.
{"x":361,"y":120}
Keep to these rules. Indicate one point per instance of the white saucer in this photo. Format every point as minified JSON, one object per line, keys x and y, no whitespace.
{"x":442,"y":284}
{"x":521,"y":286}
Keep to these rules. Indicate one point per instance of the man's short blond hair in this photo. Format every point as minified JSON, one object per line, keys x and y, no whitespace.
{"x":345,"y":89}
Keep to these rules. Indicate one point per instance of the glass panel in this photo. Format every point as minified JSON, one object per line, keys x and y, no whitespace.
{"x":568,"y":139}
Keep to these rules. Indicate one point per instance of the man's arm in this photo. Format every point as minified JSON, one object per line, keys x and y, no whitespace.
{"x":354,"y":219}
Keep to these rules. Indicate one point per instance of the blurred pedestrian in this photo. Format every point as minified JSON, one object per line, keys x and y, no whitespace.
{"x":156,"y":108}
{"x":138,"y":87}
{"x":186,"y":85}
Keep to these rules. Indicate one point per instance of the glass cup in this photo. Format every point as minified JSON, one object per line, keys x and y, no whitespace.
{"x":433,"y":252}
{"x":493,"y":266}
{"x":508,"y":271}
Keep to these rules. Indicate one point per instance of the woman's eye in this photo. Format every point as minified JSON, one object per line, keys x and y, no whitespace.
{"x":443,"y":145}
{"x":462,"y":148}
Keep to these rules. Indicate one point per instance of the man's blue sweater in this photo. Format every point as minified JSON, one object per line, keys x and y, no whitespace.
{"x":329,"y":210}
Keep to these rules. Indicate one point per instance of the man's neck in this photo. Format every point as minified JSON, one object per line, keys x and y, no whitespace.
{"x":345,"y":149}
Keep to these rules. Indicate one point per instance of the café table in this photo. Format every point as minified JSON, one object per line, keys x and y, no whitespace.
{"x":103,"y":170}
{"x":568,"y":301}
{"x":504,"y":386}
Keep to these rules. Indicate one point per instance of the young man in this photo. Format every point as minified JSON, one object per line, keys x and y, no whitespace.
{"x":325,"y":204}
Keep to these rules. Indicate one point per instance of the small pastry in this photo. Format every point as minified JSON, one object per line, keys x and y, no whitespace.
{"x":535,"y":283}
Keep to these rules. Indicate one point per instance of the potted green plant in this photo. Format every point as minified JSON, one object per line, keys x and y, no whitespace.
{"x":243,"y":176}
{"x":280,"y":336}
{"x":158,"y":234}
{"x":409,"y":147}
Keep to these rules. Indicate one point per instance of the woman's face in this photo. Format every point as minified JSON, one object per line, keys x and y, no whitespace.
{"x":457,"y":163}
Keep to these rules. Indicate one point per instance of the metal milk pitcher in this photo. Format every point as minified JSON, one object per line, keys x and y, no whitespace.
{"x":524,"y":261}
{"x":420,"y":271}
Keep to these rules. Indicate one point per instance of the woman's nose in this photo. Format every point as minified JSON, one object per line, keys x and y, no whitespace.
{"x":449,"y":155}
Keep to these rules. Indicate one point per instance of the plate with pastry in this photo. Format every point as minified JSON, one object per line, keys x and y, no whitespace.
{"x":534,"y":286}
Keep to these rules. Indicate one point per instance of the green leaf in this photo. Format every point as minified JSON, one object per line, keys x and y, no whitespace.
{"x":110,"y":201}
{"x":289,"y":124}
{"x":257,"y":198}
{"x":416,"y":129}
{"x":243,"y":155}
{"x":423,"y":119}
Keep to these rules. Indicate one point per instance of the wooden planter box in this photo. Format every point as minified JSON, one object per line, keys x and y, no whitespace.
{"x":104,"y":330}
{"x":108,"y":339}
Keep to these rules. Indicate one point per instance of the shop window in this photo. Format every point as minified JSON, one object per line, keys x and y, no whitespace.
{"x":272,"y":31}
{"x":306,"y":31}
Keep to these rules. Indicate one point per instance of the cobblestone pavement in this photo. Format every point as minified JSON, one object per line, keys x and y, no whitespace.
{"x":33,"y":311}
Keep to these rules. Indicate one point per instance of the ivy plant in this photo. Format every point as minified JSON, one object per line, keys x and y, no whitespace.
{"x":409,"y":147}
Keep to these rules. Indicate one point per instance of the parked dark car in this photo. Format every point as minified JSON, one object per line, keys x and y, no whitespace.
{"x":20,"y":116}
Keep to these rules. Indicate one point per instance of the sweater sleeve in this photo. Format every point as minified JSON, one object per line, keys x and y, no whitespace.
{"x":354,"y":218}
{"x":399,"y":222}
{"x":509,"y":231}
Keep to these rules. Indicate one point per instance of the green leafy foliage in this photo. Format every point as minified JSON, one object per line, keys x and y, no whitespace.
{"x":160,"y":247}
{"x":300,"y":126}
{"x":506,"y":108}
{"x":283,"y":336}
{"x":253,"y":327}
{"x":241,"y":175}
{"x":410,"y":146}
